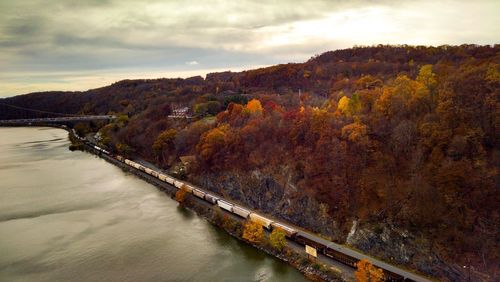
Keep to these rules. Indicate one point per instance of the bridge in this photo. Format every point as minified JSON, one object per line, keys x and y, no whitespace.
{"x":31,"y":121}
{"x":28,"y":116}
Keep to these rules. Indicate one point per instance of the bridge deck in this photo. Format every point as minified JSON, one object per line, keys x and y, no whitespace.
{"x":59,"y":119}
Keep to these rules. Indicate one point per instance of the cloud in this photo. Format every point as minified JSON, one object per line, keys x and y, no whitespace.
{"x":67,"y":36}
{"x":192,"y":63}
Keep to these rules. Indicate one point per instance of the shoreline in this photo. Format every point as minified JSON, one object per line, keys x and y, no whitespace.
{"x":321,"y":268}
{"x":312,"y":270}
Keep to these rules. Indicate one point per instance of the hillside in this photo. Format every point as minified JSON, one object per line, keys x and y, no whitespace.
{"x":390,"y":149}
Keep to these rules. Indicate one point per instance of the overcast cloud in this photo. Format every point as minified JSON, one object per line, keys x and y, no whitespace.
{"x":77,"y":45}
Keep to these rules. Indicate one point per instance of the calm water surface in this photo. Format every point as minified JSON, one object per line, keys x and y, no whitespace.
{"x":72,"y":216}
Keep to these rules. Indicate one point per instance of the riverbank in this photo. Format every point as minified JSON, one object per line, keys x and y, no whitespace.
{"x":313,"y":269}
{"x":71,"y":216}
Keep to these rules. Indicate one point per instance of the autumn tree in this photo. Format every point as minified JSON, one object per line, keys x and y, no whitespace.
{"x":366,"y":272}
{"x":123,"y":148}
{"x":253,"y":232}
{"x":343,"y":104}
{"x":180,"y":195}
{"x":164,"y":142}
{"x":427,"y":77}
{"x":254,"y":106}
{"x":212,"y":143}
{"x":355,"y":132}
{"x":277,"y":239}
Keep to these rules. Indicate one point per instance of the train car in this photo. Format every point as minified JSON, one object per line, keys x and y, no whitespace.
{"x":225,"y":205}
{"x":211,"y":198}
{"x":198,"y":193}
{"x":141,"y":167}
{"x":135,"y":165}
{"x":188,"y":187}
{"x":241,"y":211}
{"x":289,"y":231}
{"x":307,"y":239}
{"x":162,"y":177}
{"x":391,"y":276}
{"x":120,"y":158}
{"x":128,"y":162}
{"x":264,"y":221}
{"x":105,"y":152}
{"x":169,"y":180}
{"x":178,"y":184}
{"x":151,"y":172}
{"x":334,"y":252}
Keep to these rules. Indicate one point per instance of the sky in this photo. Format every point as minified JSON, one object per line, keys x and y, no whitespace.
{"x":82,"y":44}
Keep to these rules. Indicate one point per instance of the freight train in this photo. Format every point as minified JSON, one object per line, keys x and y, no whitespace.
{"x":332,"y":250}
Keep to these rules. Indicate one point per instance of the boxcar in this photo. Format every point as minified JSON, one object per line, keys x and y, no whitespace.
{"x":162,"y":177}
{"x":169,"y":180}
{"x":225,"y":205}
{"x":188,"y":188}
{"x":178,"y":184}
{"x":198,"y":193}
{"x":211,"y":198}
{"x":120,"y":158}
{"x":151,"y":172}
{"x":241,"y":211}
{"x":288,"y":230}
{"x":266,"y":222}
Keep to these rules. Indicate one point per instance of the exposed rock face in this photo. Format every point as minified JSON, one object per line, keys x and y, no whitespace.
{"x":402,"y":248}
{"x":275,"y":194}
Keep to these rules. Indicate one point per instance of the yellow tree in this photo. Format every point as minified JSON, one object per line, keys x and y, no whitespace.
{"x":366,"y":272}
{"x":427,"y":77}
{"x":253,"y":232}
{"x":343,"y":104}
{"x":278,"y":239}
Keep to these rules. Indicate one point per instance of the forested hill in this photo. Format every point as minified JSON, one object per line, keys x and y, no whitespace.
{"x":320,"y":76}
{"x":391,"y":149}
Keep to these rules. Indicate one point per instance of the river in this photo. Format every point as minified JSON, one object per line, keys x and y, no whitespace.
{"x":70,"y":216}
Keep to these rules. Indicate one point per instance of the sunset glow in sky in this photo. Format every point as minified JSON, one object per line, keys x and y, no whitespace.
{"x":77,"y":45}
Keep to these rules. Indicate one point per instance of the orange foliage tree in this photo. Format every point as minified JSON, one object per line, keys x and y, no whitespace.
{"x":180,"y":196}
{"x":366,"y":272}
{"x":254,"y":106}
